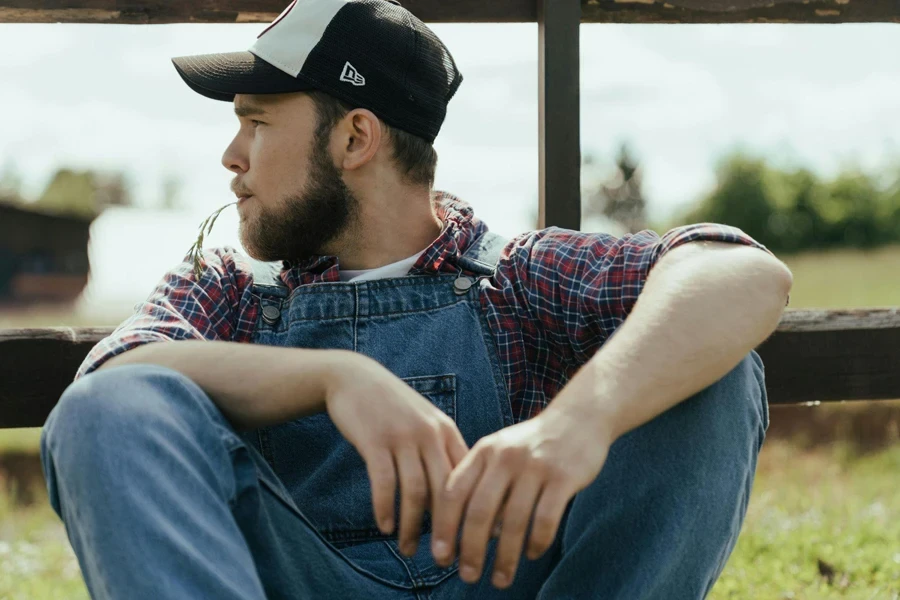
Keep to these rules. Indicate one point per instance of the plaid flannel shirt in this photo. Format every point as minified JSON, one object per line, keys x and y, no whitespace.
{"x":557,"y":295}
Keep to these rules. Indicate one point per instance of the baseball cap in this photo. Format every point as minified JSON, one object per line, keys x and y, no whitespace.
{"x":371,"y":54}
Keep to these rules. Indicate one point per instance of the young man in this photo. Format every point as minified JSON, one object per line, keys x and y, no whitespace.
{"x":383,"y":346}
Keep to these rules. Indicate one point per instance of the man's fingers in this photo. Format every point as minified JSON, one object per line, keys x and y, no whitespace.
{"x":456,"y":447}
{"x":413,"y":495}
{"x":451,"y":504}
{"x":437,"y":468}
{"x":382,"y":475}
{"x":516,"y":514}
{"x":547,"y":515}
{"x":482,"y":511}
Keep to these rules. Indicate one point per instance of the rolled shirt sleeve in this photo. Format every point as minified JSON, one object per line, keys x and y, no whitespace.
{"x":580,"y":287}
{"x":217,"y":306}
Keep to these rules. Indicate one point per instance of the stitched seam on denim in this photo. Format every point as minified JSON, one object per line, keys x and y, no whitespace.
{"x":267,"y":486}
{"x":408,"y":564}
{"x":388,"y":282}
{"x":445,"y":383}
{"x":491,"y":340}
{"x":375,"y":316}
{"x":356,"y":319}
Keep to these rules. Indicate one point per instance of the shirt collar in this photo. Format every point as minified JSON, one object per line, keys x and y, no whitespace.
{"x":461,"y":229}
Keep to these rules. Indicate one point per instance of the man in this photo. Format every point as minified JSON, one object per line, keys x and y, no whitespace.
{"x":390,"y":401}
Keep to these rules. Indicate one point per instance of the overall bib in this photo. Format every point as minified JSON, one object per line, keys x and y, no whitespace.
{"x":430,"y":331}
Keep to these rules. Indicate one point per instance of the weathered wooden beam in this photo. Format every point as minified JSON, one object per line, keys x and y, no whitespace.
{"x":460,"y":11}
{"x":559,"y":101}
{"x":829,"y":355}
{"x":36,"y":366}
{"x":814,"y":356}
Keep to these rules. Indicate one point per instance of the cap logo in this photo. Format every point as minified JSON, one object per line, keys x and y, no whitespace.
{"x":351,"y":75}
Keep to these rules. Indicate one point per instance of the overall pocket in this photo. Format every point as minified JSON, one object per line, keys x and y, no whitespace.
{"x":325,"y":475}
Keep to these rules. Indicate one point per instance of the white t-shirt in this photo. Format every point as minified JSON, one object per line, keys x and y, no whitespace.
{"x":397,"y":269}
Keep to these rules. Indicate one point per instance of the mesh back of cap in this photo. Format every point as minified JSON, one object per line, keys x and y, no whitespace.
{"x":410,"y":75}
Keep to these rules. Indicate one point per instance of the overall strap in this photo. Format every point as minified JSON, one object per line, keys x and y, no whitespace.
{"x":484,"y":254}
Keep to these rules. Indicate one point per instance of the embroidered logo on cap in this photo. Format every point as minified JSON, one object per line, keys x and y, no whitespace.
{"x":351,"y":75}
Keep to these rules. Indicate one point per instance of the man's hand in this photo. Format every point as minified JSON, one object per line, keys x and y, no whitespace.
{"x":532,"y":468}
{"x":400,"y":435}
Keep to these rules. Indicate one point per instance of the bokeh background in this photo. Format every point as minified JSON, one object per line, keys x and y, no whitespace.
{"x":789,"y":132}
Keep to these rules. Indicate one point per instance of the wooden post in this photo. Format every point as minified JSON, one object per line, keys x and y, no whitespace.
{"x":559,"y":140}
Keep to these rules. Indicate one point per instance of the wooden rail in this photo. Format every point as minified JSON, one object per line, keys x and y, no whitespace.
{"x":814,"y":356}
{"x":148,"y":12}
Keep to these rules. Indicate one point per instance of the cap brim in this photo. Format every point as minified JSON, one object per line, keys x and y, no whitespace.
{"x":221,"y":76}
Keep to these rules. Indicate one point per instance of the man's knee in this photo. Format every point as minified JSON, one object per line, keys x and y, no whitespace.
{"x":736,"y":405}
{"x":116,"y":396}
{"x":705,"y":446}
{"x":107,"y":411}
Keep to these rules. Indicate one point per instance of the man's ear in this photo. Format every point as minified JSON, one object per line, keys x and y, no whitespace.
{"x":364,"y":134}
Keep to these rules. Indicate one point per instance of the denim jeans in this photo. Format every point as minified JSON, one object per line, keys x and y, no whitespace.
{"x":161,"y":498}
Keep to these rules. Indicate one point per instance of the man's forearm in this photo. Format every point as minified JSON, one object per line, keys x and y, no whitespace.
{"x":703,"y":308}
{"x":253,"y":385}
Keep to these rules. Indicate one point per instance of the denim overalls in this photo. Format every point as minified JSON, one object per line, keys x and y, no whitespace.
{"x":428,"y":330}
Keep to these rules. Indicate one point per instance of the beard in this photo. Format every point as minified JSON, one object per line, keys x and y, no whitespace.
{"x":303,"y":223}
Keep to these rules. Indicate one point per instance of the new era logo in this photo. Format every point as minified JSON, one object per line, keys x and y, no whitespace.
{"x":351,"y":75}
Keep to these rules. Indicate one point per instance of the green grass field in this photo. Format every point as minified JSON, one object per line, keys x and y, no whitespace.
{"x":825,"y":504}
{"x":844,"y":279}
{"x":822,"y":505}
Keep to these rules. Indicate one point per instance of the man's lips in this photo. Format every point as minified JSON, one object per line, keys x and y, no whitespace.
{"x":243,"y":198}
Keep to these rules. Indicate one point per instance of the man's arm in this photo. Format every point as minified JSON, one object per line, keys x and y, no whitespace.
{"x":705,"y":305}
{"x":253,"y":385}
{"x":402,"y":437}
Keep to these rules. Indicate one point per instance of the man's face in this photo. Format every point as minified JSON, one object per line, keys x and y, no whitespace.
{"x":297,"y":200}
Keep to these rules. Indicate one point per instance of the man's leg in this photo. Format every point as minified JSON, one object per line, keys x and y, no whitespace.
{"x":663,"y":516}
{"x":161,"y":499}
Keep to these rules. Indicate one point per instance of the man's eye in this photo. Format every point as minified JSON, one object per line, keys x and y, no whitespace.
{"x":255,"y":122}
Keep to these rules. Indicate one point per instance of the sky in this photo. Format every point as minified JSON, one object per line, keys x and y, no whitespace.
{"x":107,"y":96}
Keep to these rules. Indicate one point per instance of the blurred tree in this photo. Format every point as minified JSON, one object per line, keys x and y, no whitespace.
{"x":796,"y":221}
{"x":171,"y":193}
{"x":84,"y":193}
{"x":740,"y":198}
{"x":791,"y":211}
{"x":610,"y":203}
{"x":620,"y":198}
{"x":10,"y":183}
{"x":69,"y":192}
{"x":111,"y":189}
{"x":891,"y":206}
{"x":850,"y":210}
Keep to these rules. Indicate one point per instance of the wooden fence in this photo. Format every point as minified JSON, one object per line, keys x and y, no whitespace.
{"x":814,"y":355}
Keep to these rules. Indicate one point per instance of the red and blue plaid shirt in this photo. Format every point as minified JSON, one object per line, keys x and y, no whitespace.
{"x":557,"y":295}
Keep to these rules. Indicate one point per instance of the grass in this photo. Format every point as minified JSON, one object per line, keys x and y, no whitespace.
{"x":20,"y":439}
{"x":36,"y":560}
{"x":825,"y":505}
{"x":829,"y":505}
{"x":845,"y":278}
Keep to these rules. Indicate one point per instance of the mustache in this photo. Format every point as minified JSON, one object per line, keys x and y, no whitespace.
{"x":239,"y":190}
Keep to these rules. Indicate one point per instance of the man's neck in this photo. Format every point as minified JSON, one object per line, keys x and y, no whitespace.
{"x":389,"y":234}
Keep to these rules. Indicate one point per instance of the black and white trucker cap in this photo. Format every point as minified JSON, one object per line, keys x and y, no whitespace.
{"x":372,"y":54}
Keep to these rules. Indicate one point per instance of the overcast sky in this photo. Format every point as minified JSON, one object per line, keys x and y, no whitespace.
{"x":99,"y":96}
